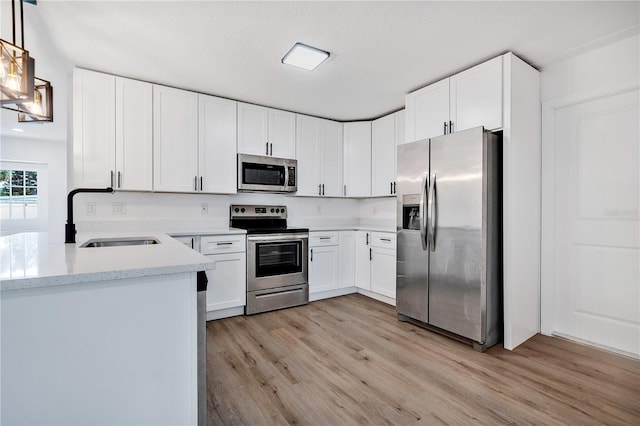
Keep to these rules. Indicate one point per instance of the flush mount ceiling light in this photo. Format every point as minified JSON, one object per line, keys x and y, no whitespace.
{"x":305,"y":57}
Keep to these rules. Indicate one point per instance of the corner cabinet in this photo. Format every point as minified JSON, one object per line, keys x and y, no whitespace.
{"x":266,"y":131}
{"x":468,"y":99}
{"x":319,"y":155}
{"x":112,"y":132}
{"x":357,"y":159}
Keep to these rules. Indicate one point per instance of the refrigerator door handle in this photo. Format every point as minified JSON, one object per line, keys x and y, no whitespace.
{"x":421,"y":212}
{"x":431,"y":203}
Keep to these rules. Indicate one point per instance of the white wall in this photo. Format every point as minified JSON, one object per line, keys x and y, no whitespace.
{"x":573,"y":85}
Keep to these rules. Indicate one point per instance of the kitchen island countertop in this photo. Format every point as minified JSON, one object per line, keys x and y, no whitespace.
{"x":31,"y":260}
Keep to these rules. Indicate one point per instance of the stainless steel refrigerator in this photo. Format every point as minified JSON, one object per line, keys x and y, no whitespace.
{"x":449,"y":260}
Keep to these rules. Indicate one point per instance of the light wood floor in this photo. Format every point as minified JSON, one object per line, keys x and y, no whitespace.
{"x":348,"y":360}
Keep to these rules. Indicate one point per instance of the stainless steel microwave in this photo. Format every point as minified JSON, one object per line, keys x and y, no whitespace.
{"x":266,"y":174}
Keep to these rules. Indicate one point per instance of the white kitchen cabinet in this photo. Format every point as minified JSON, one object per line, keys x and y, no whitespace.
{"x":94,"y":142}
{"x":217,"y":145}
{"x":401,"y":124}
{"x":363,"y":260}
{"x":113,"y":133}
{"x":175,"y":140}
{"x":319,"y":155}
{"x":383,"y":155}
{"x":227,"y":287}
{"x":134,"y":135}
{"x":266,"y":131}
{"x":383,"y":264}
{"x":427,"y":111}
{"x":323,"y":261}
{"x":357,"y":159}
{"x":347,"y":258}
{"x":468,"y":99}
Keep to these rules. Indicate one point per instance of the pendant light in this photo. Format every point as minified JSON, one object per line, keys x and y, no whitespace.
{"x":37,"y":104}
{"x":16,"y":68}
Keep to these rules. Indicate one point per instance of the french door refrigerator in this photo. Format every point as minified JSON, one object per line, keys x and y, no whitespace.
{"x":449,"y":259}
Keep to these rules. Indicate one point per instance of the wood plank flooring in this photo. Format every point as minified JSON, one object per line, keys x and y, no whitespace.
{"x":348,"y":360}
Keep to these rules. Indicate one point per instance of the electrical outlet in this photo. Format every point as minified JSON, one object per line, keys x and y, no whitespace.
{"x":119,"y":208}
{"x":91,"y":209}
{"x":204,"y":208}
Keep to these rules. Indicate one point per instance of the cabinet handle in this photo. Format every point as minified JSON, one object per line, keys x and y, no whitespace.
{"x":200,"y":183}
{"x":319,"y":192}
{"x":394,"y":188}
{"x":311,"y":258}
{"x":325,"y":238}
{"x":445,"y":127}
{"x":323,"y":189}
{"x":367,"y":238}
{"x":344,"y":191}
{"x":450,"y":126}
{"x":224,"y":244}
{"x":271,"y":149}
{"x":391,"y":188}
{"x":111,"y":179}
{"x":266,"y":148}
{"x":119,"y":180}
{"x":195,"y":183}
{"x":385,"y":239}
{"x":370,"y":254}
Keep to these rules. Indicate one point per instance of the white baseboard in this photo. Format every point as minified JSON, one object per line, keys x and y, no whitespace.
{"x":225,"y":313}
{"x":381,"y":298}
{"x":331,"y":293}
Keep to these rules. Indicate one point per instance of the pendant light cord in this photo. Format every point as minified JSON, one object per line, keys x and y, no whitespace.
{"x":22,"y":23}
{"x":13,"y":20}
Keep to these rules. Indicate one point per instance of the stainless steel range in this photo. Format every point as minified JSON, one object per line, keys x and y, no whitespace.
{"x":276,"y":258}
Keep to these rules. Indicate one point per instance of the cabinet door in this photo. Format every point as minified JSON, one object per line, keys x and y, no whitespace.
{"x":357,"y":159}
{"x":323,"y":268}
{"x":427,"y":111}
{"x":383,"y":272}
{"x":400,"y":118}
{"x":282,"y":134}
{"x":383,"y":149}
{"x":347,"y":259}
{"x":227,"y":286}
{"x":134,"y":135}
{"x":252,"y":129}
{"x":330,"y":153}
{"x":217,"y":144}
{"x":307,"y":132}
{"x":94,"y":142}
{"x":363,"y":262}
{"x":476,"y":96}
{"x":175,"y":139}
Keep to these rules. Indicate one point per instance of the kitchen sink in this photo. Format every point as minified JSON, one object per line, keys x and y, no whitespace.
{"x":118,"y":242}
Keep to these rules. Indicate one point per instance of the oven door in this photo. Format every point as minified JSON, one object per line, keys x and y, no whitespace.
{"x":276,"y":260}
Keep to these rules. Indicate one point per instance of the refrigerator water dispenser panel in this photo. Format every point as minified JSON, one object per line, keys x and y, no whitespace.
{"x":411,"y":212}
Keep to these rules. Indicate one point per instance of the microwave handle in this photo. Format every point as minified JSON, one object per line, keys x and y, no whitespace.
{"x":286,"y":176}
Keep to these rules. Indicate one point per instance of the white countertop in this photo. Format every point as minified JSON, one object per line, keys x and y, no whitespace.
{"x":207,"y":231}
{"x":352,"y":228}
{"x":30,"y":260}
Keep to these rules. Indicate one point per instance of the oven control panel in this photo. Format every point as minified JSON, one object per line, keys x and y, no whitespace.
{"x":253,"y":211}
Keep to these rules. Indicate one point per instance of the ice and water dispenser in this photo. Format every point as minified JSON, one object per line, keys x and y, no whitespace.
{"x":411,"y":211}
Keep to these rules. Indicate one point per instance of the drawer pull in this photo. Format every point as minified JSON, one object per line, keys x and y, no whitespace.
{"x":224,"y":244}
{"x":385,"y":239}
{"x":325,"y":238}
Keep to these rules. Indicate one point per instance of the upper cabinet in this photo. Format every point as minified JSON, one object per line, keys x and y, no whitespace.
{"x":469,"y":99}
{"x":217,"y":144}
{"x":134,"y":135}
{"x":319,"y":155}
{"x":266,"y":131}
{"x":112,"y":132}
{"x":386,"y":133}
{"x":357,"y":159}
{"x":194,"y":142}
{"x":175,"y":141}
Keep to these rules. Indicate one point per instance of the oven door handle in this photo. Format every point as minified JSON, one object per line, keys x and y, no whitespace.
{"x":277,"y":237}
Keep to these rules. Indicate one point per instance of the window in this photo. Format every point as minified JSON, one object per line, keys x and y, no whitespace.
{"x":18,"y":194}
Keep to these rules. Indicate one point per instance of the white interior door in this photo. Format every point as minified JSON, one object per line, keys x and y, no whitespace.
{"x":595,"y":269}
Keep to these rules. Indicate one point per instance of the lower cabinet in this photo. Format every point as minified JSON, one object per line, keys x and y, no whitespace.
{"x":227,"y":286}
{"x":323,"y":261}
{"x":347,"y":256}
{"x":376,"y":262}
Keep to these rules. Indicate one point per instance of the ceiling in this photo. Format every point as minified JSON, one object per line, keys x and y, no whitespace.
{"x":379,"y":50}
